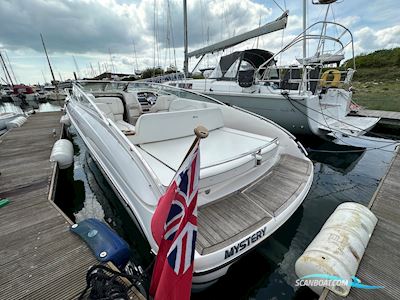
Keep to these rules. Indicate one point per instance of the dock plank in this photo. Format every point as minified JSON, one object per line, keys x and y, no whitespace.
{"x":380,"y":264}
{"x":39,"y":257}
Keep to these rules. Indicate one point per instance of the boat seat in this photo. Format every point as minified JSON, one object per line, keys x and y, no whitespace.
{"x":114,"y":104}
{"x":133,"y":106}
{"x":162,"y":103}
{"x":108,"y":112}
{"x":172,"y":125}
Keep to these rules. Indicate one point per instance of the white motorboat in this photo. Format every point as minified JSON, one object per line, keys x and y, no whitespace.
{"x":254,"y":174}
{"x":312,"y":97}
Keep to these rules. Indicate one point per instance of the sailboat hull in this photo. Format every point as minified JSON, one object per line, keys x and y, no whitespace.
{"x":292,"y":115}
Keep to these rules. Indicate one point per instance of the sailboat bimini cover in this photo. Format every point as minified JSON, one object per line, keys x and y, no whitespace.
{"x":255,"y":57}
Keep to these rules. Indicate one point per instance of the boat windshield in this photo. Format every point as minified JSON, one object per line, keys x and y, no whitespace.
{"x":132,"y":86}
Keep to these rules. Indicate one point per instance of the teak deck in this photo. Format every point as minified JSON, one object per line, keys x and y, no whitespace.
{"x":380,"y":265}
{"x":237,"y":215}
{"x":39,"y":257}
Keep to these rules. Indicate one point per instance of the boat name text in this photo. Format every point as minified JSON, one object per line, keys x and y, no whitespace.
{"x":245,"y":243}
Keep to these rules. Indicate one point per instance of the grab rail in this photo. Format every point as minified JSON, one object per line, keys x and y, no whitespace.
{"x":254,"y":151}
{"x":121,"y":138}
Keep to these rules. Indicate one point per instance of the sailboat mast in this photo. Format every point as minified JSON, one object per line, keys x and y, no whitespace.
{"x":304,"y":30}
{"x":76,"y":67}
{"x":6,"y":70}
{"x":48,"y":60}
{"x":185,"y":38}
{"x":11,"y":68}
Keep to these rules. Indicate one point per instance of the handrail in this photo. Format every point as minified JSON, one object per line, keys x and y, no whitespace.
{"x":301,"y":37}
{"x":126,"y":142}
{"x":254,"y":151}
{"x":134,"y":149}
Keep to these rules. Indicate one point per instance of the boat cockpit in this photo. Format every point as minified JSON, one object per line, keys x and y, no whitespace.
{"x":160,"y":125}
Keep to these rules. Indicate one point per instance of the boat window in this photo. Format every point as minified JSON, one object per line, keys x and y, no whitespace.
{"x":245,"y":66}
{"x":232,"y":71}
{"x":272,"y":73}
{"x":216,"y":73}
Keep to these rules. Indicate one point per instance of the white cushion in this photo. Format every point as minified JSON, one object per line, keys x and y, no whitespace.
{"x":171,"y":125}
{"x":162,"y":103}
{"x":133,"y":106}
{"x":115,"y":105}
{"x":106,"y":110}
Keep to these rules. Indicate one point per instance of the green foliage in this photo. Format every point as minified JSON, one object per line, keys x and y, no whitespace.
{"x":380,"y":65}
{"x":382,"y":95}
{"x":197,"y":76}
{"x":151,"y":72}
{"x":376,"y":82}
{"x":377,"y":59}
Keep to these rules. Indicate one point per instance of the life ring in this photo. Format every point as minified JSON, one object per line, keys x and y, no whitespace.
{"x":330,"y":83}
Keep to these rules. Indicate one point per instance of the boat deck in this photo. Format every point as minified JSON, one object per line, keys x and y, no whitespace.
{"x":380,"y":264}
{"x":39,"y":257}
{"x":237,"y":215}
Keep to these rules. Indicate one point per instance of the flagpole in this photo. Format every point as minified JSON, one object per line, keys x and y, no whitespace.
{"x":201,"y":133}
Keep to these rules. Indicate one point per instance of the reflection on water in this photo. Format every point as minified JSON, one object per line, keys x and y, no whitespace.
{"x":268,"y":271}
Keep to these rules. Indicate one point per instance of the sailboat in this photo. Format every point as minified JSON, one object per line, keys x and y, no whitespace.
{"x":311,"y":97}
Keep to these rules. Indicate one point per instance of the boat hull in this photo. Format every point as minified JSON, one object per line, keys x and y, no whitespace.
{"x":124,"y":175}
{"x":292,"y":116}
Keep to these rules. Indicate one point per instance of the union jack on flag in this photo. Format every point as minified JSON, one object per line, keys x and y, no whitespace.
{"x":174,"y":228}
{"x":183,"y":209}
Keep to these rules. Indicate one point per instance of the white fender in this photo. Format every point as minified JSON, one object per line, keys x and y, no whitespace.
{"x":65,"y":120}
{"x":339,"y":246}
{"x":17,"y":122}
{"x":62,"y":153}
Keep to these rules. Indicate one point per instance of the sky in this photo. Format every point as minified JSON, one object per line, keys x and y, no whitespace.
{"x":104,"y":34}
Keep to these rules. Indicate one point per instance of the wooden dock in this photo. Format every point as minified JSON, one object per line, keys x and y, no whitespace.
{"x":380,"y":265}
{"x":387,"y":117}
{"x":39,"y":257}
